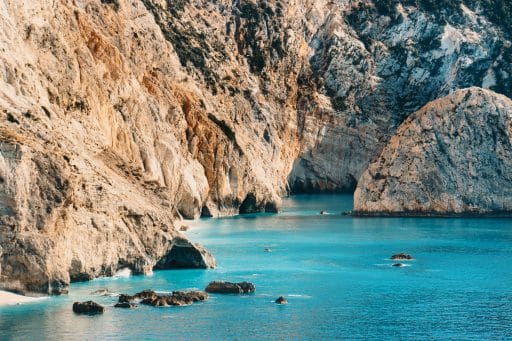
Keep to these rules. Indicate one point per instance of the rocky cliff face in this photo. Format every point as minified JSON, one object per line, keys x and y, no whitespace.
{"x":375,"y":62}
{"x":450,"y":157}
{"x":120,"y":117}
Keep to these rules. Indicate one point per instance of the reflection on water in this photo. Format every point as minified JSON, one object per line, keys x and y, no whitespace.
{"x":334,"y":271}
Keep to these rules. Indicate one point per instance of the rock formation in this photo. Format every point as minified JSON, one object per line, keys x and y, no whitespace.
{"x":453,"y":156}
{"x":121,"y":117}
{"x":220,"y":287}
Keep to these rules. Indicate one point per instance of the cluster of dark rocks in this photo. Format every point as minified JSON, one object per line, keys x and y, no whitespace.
{"x":146,"y":297}
{"x":176,"y":298}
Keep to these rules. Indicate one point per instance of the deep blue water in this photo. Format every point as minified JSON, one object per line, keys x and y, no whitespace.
{"x":334,"y":271}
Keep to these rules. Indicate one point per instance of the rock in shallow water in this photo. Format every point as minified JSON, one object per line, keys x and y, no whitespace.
{"x":194,"y":295}
{"x":126,"y":305}
{"x":401,"y":256}
{"x":220,"y":287}
{"x":176,"y":298}
{"x":146,"y":294}
{"x":88,"y":307}
{"x":281,"y":300}
{"x":126,"y":298}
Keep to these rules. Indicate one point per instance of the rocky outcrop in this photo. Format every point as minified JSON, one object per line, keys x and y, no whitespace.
{"x":451,"y":157}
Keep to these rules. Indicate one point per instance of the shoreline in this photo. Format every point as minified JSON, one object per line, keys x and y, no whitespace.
{"x":8,"y":299}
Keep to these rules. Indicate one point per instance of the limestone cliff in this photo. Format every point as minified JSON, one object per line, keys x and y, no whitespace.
{"x":453,"y":156}
{"x":109,"y":136}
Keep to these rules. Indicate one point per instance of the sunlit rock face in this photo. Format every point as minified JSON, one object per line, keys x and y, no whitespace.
{"x":451,"y":157}
{"x":121,"y":117}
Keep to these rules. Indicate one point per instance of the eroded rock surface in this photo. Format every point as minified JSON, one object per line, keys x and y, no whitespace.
{"x":451,"y":157}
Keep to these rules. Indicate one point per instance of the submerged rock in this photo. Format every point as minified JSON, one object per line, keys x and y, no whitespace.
{"x":453,"y":156}
{"x":401,"y":256}
{"x":101,"y":292}
{"x":220,"y":287}
{"x":399,"y":265}
{"x":88,"y":307}
{"x":281,"y":300}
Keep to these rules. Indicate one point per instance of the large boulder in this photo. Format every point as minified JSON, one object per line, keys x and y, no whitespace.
{"x":220,"y":287}
{"x":453,"y":156}
{"x":89,"y":308}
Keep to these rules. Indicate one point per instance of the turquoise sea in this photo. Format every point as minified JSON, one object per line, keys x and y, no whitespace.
{"x":334,"y":270}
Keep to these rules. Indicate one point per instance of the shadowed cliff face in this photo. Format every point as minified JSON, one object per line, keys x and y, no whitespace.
{"x":121,"y":117}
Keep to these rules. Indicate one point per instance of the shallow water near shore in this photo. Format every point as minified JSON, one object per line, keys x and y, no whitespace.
{"x":334,"y":271}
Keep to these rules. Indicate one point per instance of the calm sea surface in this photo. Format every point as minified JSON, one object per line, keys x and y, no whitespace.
{"x":334,"y":271}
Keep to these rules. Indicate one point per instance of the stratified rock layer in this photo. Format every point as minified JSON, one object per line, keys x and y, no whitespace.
{"x":453,"y":156}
